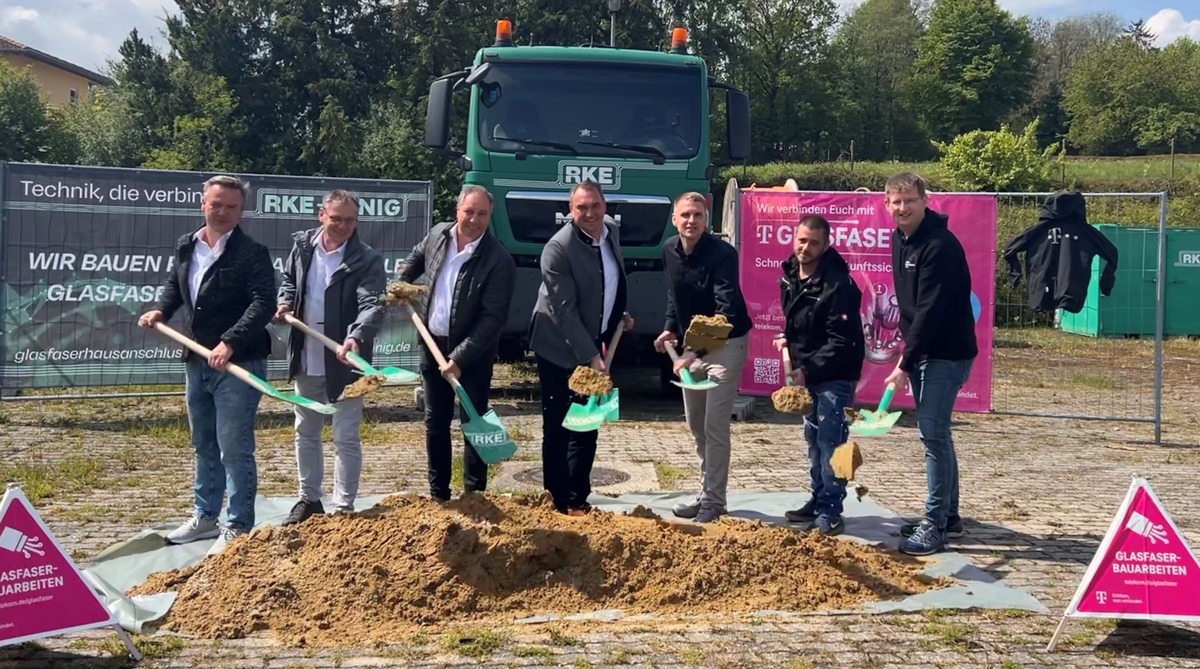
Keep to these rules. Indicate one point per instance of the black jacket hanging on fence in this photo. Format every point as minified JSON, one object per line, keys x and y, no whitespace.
{"x":1058,"y":255}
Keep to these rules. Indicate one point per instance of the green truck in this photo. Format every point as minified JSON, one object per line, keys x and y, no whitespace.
{"x":544,"y":118}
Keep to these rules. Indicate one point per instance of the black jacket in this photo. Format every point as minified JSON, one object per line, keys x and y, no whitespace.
{"x":703,"y":283}
{"x":933,"y":289}
{"x":1059,"y":250}
{"x":822,"y":322}
{"x":352,"y":305}
{"x":482,"y":294}
{"x":236,"y":300}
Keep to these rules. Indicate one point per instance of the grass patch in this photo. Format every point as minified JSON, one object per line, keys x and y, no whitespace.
{"x":152,"y":647}
{"x":174,"y":432}
{"x":1091,"y":381}
{"x":541,"y":652}
{"x":669,"y":475}
{"x":1009,"y":663}
{"x":798,"y":663}
{"x":693,"y":657}
{"x":620,"y":656}
{"x":47,"y":480}
{"x":584,"y":664}
{"x":561,"y":638}
{"x":945,"y":635}
{"x":475,"y":645}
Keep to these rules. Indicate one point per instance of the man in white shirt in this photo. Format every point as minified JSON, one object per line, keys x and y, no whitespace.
{"x":332,"y":281}
{"x":225,"y":279}
{"x":471,"y":278}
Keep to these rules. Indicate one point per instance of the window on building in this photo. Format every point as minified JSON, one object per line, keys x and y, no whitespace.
{"x":74,"y":95}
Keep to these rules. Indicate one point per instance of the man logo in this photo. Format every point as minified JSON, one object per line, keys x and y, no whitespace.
{"x":608,"y":176}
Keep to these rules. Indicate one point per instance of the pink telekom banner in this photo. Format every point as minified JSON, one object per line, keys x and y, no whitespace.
{"x":862,"y":233}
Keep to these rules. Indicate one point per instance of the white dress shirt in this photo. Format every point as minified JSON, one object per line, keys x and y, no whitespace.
{"x":442,"y":299}
{"x":608,"y":261}
{"x":203,"y":257}
{"x":320,"y":271}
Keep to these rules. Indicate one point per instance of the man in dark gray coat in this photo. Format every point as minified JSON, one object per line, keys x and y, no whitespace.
{"x":580,"y":305}
{"x":470,"y":278}
{"x":332,"y":281}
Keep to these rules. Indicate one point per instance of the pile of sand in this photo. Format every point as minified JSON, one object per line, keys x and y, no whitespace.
{"x":367,"y":383}
{"x":402,"y":292}
{"x":707,"y":334}
{"x":373,"y":576}
{"x":587,"y":381}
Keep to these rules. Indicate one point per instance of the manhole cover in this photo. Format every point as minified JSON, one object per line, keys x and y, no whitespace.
{"x":601,"y":476}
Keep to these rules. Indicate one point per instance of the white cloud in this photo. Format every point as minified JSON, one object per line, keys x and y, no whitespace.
{"x":87,"y":34}
{"x":1169,"y":25}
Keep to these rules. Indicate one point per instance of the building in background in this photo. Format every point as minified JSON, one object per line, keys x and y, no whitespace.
{"x":62,"y":82}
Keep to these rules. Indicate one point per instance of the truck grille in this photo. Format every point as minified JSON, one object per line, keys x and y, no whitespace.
{"x":535,"y":217}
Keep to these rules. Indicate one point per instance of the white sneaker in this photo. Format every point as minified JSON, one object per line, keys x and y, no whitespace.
{"x":194,"y":530}
{"x":228,"y":534}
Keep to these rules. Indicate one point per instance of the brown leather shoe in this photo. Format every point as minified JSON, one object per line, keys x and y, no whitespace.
{"x":578,"y":512}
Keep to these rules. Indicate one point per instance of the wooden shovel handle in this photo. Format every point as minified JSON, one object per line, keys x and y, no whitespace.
{"x":319,"y":336}
{"x":433,"y":347}
{"x":203,"y":351}
{"x":612,"y":347}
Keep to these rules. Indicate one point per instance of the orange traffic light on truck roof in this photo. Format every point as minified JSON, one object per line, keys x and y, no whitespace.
{"x":679,"y":40}
{"x":504,"y":33}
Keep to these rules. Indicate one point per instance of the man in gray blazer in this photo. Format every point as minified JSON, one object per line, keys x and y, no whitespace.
{"x":580,"y":305}
{"x":332,"y":281}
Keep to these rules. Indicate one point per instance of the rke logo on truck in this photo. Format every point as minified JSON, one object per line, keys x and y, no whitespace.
{"x":608,"y":176}
{"x":1188,"y":259}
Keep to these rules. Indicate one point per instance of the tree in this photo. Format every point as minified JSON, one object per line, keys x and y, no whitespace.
{"x":27,"y":132}
{"x":1139,"y":34}
{"x":974,"y":67}
{"x":874,"y":50}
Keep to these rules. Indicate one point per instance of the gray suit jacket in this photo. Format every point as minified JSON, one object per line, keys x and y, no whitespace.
{"x":570,"y":301}
{"x":352,"y":307}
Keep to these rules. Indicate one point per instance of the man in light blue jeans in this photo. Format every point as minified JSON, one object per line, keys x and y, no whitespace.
{"x":937,"y":322}
{"x":221,"y":415}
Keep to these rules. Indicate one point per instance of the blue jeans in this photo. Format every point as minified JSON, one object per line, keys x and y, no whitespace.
{"x":222,"y":411}
{"x":935,"y":385}
{"x":825,"y":429}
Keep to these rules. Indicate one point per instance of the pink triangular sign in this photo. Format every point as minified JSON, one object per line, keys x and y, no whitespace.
{"x":42,"y":592}
{"x":1144,"y":568}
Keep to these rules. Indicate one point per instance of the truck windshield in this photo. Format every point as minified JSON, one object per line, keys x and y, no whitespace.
{"x":596,"y":109}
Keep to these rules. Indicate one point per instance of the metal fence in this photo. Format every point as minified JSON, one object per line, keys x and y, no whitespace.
{"x":1106,"y":361}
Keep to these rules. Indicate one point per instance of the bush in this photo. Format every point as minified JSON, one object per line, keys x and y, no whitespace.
{"x":997,"y":160}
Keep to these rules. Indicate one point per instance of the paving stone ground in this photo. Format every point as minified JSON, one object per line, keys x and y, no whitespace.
{"x":1038,"y":494}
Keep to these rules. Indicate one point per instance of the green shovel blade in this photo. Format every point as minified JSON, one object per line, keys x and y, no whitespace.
{"x":297,"y":400}
{"x":878,"y":422}
{"x":484,"y":433}
{"x":391,"y":375}
{"x":689,"y":382}
{"x":611,"y":404}
{"x":584,"y":417}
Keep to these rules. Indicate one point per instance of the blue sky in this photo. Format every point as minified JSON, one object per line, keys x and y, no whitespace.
{"x":88,"y":32}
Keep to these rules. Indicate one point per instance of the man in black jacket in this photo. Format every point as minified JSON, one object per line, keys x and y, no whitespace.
{"x":332,"y":281}
{"x":702,"y":280}
{"x":227,"y":282}
{"x":470,"y":278}
{"x":933,"y":287}
{"x":579,"y":307}
{"x":1058,"y":255}
{"x":824,"y":336}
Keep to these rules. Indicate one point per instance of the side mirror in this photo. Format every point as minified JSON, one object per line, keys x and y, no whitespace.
{"x":737,"y":125}
{"x":437,"y":114}
{"x":478,"y":74}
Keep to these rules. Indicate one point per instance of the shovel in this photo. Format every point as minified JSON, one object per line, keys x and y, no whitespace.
{"x":484,"y":433}
{"x":790,"y":399}
{"x":599,"y":408}
{"x":254,"y":381}
{"x":878,"y":422}
{"x":391,"y":375}
{"x":685,"y":375}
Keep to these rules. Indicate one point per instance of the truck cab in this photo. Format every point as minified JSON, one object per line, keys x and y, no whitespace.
{"x":542,"y":119}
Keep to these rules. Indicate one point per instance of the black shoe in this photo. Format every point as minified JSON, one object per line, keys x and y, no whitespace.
{"x":954,"y":528}
{"x":302,"y":511}
{"x":805,"y":514}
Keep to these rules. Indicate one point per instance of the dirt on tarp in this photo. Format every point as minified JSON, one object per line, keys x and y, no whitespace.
{"x":374,"y":576}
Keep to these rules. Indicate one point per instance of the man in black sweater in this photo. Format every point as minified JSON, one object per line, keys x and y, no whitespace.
{"x":226,"y":280}
{"x":823,"y":332}
{"x":702,"y":280}
{"x":933,"y":287}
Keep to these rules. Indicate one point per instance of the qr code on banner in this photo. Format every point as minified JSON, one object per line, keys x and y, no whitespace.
{"x":766,"y":370}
